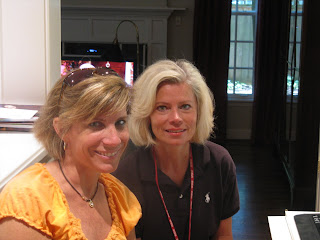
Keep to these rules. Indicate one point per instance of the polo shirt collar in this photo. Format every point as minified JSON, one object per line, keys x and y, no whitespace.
{"x":146,"y":166}
{"x":201,"y":157}
{"x":200,"y":153}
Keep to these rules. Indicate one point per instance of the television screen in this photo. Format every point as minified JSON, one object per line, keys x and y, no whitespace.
{"x":124,"y":69}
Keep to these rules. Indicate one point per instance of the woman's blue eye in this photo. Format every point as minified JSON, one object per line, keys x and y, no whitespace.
{"x":186,"y":106}
{"x":161,"y":108}
{"x":96,"y":124}
{"x":121,"y":124}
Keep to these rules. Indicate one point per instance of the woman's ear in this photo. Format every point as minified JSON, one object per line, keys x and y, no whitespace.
{"x":56,"y":125}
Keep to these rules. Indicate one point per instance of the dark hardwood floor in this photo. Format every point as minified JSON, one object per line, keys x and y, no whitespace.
{"x":263,"y":188}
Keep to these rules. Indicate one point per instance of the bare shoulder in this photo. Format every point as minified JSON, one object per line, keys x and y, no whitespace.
{"x":11,"y":229}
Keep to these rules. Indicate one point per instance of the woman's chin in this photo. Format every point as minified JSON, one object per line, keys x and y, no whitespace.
{"x":109,"y":168}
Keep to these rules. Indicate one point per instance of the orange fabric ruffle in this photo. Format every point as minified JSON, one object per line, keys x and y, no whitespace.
{"x":35,"y":197}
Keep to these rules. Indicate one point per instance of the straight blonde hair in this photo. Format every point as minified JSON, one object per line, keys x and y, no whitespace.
{"x":144,"y":96}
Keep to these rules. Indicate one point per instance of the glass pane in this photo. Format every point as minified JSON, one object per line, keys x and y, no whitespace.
{"x":246,"y":5}
{"x":232,"y":28}
{"x":245,"y":31}
{"x":291,"y":36}
{"x":244,"y":55}
{"x":298,"y":45}
{"x":298,"y":28}
{"x":290,"y":60}
{"x":243,"y":81}
{"x":293,"y":83}
{"x":231,"y":55}
{"x":300,"y":5}
{"x":230,"y":82}
{"x":234,"y":5}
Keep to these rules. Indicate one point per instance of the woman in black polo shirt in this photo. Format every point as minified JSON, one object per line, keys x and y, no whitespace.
{"x":186,"y":185}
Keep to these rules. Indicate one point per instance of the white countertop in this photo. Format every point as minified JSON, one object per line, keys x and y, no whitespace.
{"x":284,"y":227}
{"x":18,"y":150}
{"x":278,"y":228}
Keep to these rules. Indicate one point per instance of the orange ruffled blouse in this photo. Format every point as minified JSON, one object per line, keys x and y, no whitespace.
{"x":35,"y":197}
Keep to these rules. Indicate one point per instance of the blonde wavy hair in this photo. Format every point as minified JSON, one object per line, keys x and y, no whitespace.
{"x":144,"y":96}
{"x":82,"y":102}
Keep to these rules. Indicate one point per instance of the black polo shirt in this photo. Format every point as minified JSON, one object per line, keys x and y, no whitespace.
{"x":215,"y":195}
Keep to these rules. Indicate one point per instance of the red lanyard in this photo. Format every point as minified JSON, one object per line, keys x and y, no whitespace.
{"x":191,"y":194}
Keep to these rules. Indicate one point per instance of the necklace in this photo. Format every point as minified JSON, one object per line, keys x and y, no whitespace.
{"x":88,"y":200}
{"x":191,"y":194}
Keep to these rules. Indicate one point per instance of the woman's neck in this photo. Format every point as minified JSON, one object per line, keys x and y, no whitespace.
{"x":173,"y":161}
{"x":82,"y":179}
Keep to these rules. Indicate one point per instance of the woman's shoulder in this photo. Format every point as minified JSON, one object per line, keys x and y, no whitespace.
{"x":29,"y":197}
{"x":130,"y":162}
{"x":218,"y":155}
{"x":122,"y":202}
{"x":33,"y":177}
{"x":110,"y":181}
{"x":135,"y":153}
{"x":33,"y":185}
{"x":118,"y":191}
{"x":216,"y":148}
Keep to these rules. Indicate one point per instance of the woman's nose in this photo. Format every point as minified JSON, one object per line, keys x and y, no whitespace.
{"x":111,"y":136}
{"x":175,"y":116}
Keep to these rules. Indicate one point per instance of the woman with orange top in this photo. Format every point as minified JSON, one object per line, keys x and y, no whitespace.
{"x":83,"y":126}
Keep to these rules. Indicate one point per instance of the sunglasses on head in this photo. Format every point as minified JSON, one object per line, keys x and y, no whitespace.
{"x":79,"y":75}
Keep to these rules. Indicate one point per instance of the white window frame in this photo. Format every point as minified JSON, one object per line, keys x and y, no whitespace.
{"x":234,"y":96}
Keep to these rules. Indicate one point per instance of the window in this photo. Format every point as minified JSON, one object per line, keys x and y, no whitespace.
{"x":242,"y":46}
{"x":294,"y":48}
{"x":242,"y":49}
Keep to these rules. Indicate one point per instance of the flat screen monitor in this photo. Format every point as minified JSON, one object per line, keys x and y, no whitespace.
{"x":124,"y":69}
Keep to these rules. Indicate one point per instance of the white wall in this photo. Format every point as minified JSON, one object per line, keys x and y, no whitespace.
{"x":0,"y":49}
{"x":30,"y":49}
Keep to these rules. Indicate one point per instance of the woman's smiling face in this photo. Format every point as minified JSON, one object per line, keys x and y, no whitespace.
{"x":99,"y":144}
{"x":174,"y":118}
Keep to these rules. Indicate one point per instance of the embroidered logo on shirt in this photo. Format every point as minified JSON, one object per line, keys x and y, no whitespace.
{"x":207,"y":197}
